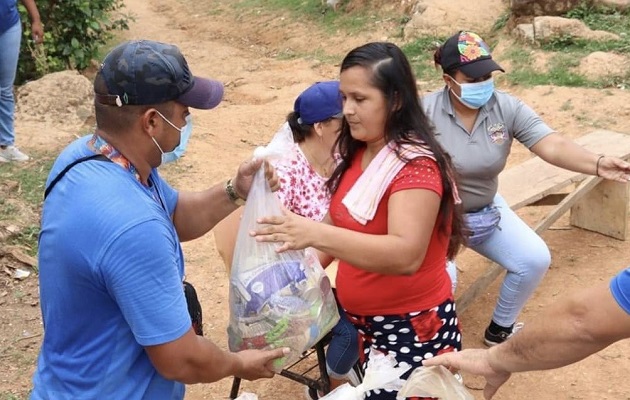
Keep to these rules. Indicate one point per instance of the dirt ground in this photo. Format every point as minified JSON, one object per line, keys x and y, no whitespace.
{"x":239,"y":47}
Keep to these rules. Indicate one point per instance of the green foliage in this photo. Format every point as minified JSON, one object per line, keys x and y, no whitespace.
{"x":501,"y":22}
{"x":28,"y":238}
{"x":355,"y":21}
{"x":26,"y":200}
{"x":599,"y":17}
{"x":420,"y":54}
{"x":568,"y":43}
{"x":74,"y":31}
{"x":31,"y":180}
{"x":596,"y":17}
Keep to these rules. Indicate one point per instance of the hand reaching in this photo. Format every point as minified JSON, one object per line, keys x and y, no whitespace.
{"x":245,"y":176}
{"x":293,"y":231}
{"x":614,"y":169}
{"x":472,"y":361}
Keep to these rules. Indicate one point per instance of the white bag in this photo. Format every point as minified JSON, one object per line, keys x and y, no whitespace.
{"x":276,"y":299}
{"x":436,"y":382}
{"x":381,"y":373}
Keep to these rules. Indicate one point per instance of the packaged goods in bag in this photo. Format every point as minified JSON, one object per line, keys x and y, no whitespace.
{"x":276,"y":299}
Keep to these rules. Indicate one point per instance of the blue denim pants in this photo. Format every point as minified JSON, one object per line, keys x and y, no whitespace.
{"x":525,"y":256}
{"x":9,"y":53}
{"x":343,"y":349}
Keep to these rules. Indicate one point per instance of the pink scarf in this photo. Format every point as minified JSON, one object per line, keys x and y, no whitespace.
{"x":363,"y":198}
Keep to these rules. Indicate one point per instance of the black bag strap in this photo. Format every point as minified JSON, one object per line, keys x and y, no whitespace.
{"x":68,"y":167}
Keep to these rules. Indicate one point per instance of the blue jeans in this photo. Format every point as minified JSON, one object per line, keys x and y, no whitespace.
{"x":517,"y":248}
{"x":343,"y":349}
{"x":10,"y":45}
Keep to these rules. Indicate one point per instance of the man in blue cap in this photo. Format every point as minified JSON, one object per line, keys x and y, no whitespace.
{"x":115,"y":316}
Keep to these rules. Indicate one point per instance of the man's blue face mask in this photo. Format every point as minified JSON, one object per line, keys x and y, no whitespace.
{"x":179,"y":150}
{"x":475,"y":95}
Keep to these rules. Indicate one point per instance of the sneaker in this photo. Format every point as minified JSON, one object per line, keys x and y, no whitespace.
{"x":492,"y":339}
{"x":11,"y":153}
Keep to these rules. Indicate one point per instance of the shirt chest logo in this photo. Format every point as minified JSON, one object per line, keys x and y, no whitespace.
{"x":497,"y":133}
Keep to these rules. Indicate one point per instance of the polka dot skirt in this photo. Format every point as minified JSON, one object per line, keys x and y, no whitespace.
{"x":410,"y":338}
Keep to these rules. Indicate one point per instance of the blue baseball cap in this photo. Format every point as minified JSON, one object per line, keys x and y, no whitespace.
{"x":145,"y":72}
{"x":321,"y":101}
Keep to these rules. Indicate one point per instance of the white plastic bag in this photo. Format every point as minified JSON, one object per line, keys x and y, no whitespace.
{"x":381,"y":373}
{"x":436,"y":382}
{"x":276,"y":299}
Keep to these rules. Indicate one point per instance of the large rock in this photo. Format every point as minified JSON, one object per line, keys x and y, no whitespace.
{"x":63,"y":99}
{"x":600,"y":64}
{"x":527,"y":8}
{"x":535,"y":8}
{"x":616,"y":4}
{"x":444,"y":18}
{"x":545,"y":28}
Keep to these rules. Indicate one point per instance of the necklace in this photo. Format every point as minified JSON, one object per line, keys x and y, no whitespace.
{"x":323,"y":168}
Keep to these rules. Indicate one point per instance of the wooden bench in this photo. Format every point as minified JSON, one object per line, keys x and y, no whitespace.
{"x":596,"y":205}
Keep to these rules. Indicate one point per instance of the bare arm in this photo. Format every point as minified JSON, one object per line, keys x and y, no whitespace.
{"x":193,"y":359}
{"x":566,"y":332}
{"x":411,"y":217}
{"x":565,"y":153}
{"x":198,"y":212}
{"x":36,"y":22}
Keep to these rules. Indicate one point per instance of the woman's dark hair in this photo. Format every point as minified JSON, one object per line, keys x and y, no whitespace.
{"x":406,"y":123}
{"x":300,"y":131}
{"x":437,"y":60}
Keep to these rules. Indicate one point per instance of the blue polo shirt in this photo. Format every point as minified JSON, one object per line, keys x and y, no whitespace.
{"x":111,"y":270}
{"x":9,"y":15}
{"x":620,"y":288}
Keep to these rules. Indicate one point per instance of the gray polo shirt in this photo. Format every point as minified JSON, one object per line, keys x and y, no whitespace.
{"x":480,"y":156}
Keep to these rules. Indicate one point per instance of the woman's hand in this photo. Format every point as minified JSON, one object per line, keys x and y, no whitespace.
{"x":614,"y":169}
{"x":291,"y":230}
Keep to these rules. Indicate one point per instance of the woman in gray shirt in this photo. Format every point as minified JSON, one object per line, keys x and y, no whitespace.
{"x":476,"y":125}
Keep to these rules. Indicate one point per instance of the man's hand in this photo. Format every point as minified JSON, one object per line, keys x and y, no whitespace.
{"x":473,"y":361}
{"x":245,"y":176}
{"x":256,"y":364}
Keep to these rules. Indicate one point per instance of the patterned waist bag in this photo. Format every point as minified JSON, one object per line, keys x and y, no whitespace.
{"x":481,"y":224}
{"x":194,"y":306}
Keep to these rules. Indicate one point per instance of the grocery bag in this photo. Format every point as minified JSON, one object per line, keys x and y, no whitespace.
{"x":276,"y":299}
{"x":382,"y":373}
{"x":437,"y":382}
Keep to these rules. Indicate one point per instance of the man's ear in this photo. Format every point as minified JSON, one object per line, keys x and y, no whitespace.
{"x":149,"y":121}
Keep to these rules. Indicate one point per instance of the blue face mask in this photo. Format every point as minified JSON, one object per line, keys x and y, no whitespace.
{"x":475,"y":95}
{"x":184,"y":135}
